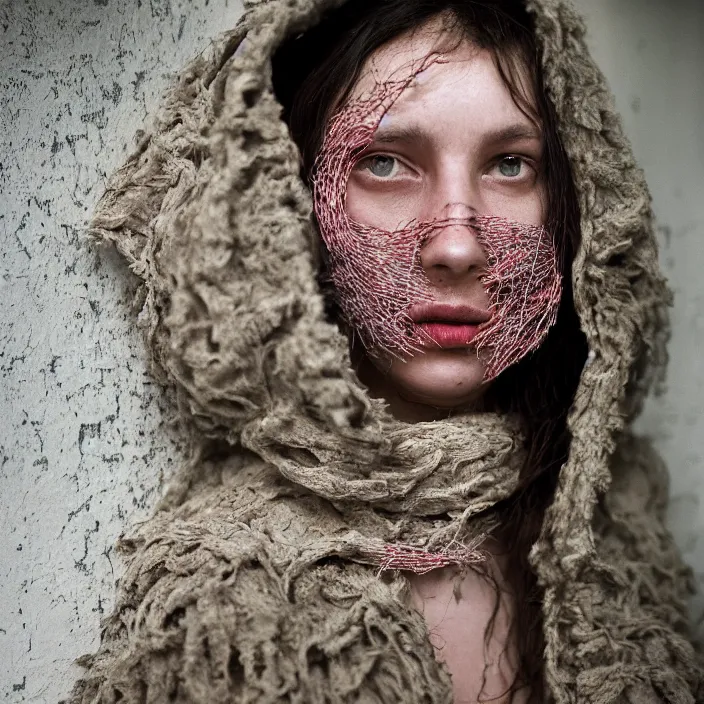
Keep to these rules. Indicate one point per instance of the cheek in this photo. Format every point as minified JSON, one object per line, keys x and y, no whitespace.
{"x":529,"y":207}
{"x":358,"y":205}
{"x":385,"y":211}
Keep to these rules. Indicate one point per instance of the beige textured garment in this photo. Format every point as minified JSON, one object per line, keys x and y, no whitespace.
{"x":255,"y":580}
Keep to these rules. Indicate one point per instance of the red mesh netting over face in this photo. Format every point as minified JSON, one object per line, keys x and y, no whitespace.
{"x":378,"y":274}
{"x":524,"y":286}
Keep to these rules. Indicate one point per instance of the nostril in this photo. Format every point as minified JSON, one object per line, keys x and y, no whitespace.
{"x":459,"y":210}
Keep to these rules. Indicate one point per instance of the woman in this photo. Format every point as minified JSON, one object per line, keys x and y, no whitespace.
{"x":444,"y":503}
{"x":465,"y":112}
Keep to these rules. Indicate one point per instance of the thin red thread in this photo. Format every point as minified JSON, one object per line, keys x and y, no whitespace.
{"x":399,"y":556}
{"x":524,"y":286}
{"x":376,"y":273}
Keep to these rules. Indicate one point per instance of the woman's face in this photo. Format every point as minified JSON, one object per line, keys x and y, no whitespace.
{"x":452,"y":145}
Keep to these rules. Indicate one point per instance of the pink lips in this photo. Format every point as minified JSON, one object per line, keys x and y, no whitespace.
{"x":449,"y":325}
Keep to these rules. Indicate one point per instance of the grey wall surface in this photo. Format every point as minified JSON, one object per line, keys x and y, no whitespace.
{"x":82,"y":453}
{"x":83,"y":450}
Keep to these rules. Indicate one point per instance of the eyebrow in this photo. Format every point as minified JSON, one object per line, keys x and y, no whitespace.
{"x":513,"y":133}
{"x":414,"y":134}
{"x":404,"y":135}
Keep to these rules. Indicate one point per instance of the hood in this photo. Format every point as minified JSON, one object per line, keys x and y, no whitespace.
{"x":212,"y":216}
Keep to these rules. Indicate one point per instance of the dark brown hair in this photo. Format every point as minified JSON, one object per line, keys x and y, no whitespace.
{"x":315,"y":71}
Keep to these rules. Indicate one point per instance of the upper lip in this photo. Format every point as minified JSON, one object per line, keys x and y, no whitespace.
{"x":448,"y":313}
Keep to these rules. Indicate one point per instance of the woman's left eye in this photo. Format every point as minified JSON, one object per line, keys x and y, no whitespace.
{"x":511,"y":166}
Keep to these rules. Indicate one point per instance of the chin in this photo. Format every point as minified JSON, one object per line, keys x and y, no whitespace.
{"x":441,"y":378}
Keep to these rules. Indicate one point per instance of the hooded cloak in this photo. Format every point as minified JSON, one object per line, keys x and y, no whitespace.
{"x":257,"y":579}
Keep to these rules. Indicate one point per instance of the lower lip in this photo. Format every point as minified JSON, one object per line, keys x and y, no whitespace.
{"x":450,"y":334}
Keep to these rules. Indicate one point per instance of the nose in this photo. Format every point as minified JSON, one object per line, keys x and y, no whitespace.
{"x":453,"y":251}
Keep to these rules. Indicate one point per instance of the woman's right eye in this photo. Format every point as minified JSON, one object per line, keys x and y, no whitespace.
{"x":381,"y":165}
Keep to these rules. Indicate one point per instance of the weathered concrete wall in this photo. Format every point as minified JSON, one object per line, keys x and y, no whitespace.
{"x":82,"y":452}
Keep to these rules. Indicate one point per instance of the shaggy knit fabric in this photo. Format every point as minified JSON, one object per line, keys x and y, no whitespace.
{"x":257,"y":579}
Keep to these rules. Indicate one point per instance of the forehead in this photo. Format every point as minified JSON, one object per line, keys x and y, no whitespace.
{"x":463,"y":73}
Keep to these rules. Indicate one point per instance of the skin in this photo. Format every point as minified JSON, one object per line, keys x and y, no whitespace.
{"x":457,"y":608}
{"x":453,"y":144}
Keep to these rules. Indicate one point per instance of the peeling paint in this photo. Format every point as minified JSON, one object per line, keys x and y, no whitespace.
{"x":84,"y":450}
